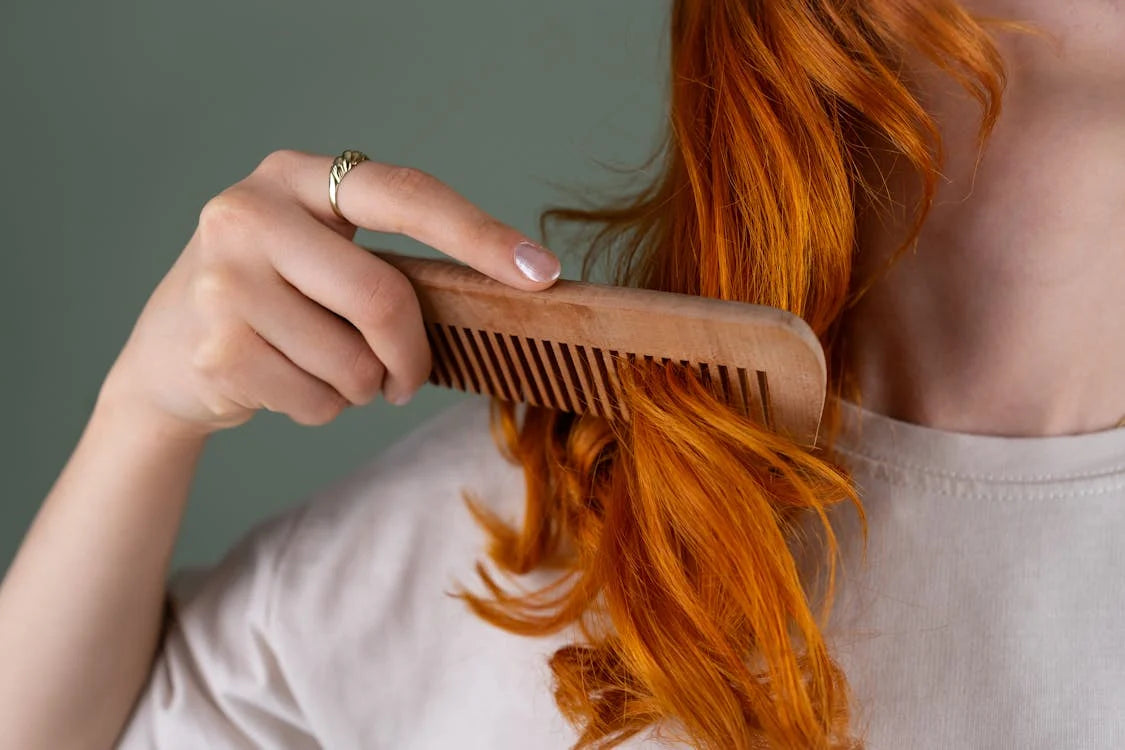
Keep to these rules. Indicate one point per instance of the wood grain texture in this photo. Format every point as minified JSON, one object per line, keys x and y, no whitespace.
{"x":562,"y":347}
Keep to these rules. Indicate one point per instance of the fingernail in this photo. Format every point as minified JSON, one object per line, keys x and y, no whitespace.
{"x":401,"y":399}
{"x":537,"y":262}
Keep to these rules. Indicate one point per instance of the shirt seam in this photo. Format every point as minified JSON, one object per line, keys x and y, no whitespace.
{"x":1014,"y":478}
{"x":1070,"y":495}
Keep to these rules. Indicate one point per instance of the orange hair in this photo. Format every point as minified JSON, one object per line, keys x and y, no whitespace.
{"x":677,"y":535}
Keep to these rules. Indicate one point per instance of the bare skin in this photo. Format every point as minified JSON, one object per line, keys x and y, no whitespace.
{"x":1010,"y":317}
{"x":1008,"y":320}
{"x":270,"y":306}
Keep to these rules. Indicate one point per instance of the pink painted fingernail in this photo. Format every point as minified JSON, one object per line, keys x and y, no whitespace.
{"x":537,"y":262}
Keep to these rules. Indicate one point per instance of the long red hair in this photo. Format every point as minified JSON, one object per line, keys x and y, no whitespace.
{"x":676,"y":536}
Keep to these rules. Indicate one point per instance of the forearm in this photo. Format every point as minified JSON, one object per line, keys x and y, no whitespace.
{"x":81,"y":605}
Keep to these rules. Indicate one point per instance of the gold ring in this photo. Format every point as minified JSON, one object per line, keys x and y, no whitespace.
{"x":341,"y":165}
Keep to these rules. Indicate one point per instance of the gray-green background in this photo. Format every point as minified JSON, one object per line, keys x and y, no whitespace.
{"x":121,"y":119}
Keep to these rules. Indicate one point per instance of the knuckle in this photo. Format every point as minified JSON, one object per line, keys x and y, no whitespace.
{"x":277,"y":162}
{"x":217,"y":353}
{"x":408,"y":182}
{"x":215,"y":287}
{"x":383,"y":297}
{"x":228,"y":218}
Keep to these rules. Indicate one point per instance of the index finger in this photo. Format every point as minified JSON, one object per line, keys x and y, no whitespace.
{"x":403,"y":200}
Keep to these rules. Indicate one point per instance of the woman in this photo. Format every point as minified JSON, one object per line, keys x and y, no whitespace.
{"x":808,"y":142}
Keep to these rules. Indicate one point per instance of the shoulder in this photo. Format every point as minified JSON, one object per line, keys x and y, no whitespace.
{"x":388,"y":511}
{"x":274,"y":644}
{"x":400,"y":520}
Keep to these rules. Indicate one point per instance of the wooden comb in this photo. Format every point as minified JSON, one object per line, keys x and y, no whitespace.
{"x":562,"y":347}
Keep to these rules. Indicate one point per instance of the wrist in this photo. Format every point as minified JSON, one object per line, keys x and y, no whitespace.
{"x":127,"y":411}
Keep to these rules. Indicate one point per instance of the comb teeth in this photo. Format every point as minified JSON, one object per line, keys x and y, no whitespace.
{"x":569,"y":377}
{"x":566,"y":347}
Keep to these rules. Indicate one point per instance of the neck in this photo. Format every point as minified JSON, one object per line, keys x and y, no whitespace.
{"x":1009,"y":317}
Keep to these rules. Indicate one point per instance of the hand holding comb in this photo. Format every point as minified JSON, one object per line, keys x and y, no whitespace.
{"x":561,"y":347}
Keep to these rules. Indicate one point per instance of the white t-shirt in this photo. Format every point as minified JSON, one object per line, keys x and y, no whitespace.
{"x":990,"y":612}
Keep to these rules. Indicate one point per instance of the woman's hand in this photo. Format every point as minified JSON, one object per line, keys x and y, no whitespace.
{"x":272,"y":306}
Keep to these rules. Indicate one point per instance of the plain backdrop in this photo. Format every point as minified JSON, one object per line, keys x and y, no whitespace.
{"x":121,"y":119}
